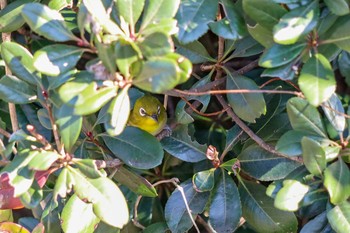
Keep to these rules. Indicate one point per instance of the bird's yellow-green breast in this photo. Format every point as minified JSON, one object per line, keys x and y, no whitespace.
{"x":148,"y":114}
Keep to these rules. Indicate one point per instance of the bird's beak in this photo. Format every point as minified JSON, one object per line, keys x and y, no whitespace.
{"x":155,"y":117}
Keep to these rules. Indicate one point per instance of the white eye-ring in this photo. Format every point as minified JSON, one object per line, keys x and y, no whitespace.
{"x":158,"y":111}
{"x":142,"y":112}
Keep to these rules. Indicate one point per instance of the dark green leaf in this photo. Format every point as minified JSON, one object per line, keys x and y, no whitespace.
{"x":262,"y":35}
{"x":225,"y":208}
{"x":126,"y":53}
{"x":136,"y":148}
{"x":285,"y":72}
{"x":247,"y":106}
{"x":130,"y":10}
{"x":56,"y":59}
{"x":339,"y":217}
{"x":317,"y":224}
{"x":43,"y":117}
{"x":259,"y":211}
{"x":10,"y":16}
{"x":314,"y":156}
{"x":78,"y":216}
{"x":296,"y":24}
{"x":135,"y":182}
{"x":156,"y":44}
{"x":334,"y":111}
{"x":316,"y":80}
{"x":204,"y":180}
{"x":290,"y":195}
{"x":176,"y":214}
{"x":222,"y":28}
{"x":338,"y":34}
{"x":264,"y":165}
{"x":193,"y":18}
{"x":156,"y":227}
{"x":264,"y":12}
{"x":46,"y":22}
{"x":235,"y":18}
{"x":338,"y":7}
{"x":20,"y":61}
{"x":16,"y":91}
{"x":32,"y":198}
{"x":278,"y":55}
{"x":194,"y":51}
{"x":337,"y":181}
{"x":180,"y":145}
{"x":304,"y":117}
{"x":107,"y":56}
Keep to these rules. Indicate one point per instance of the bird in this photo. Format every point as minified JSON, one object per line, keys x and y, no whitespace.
{"x":148,"y":114}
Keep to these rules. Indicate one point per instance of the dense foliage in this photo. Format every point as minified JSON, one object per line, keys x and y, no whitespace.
{"x":256,"y":97}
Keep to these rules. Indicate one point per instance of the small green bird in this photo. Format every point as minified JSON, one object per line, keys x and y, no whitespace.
{"x":148,"y":114}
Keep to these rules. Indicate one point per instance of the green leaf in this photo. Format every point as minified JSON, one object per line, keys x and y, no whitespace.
{"x":108,"y":201}
{"x":117,"y":113}
{"x":278,"y":55}
{"x":296,"y":24}
{"x":59,"y":4}
{"x":316,"y":80}
{"x":130,"y":10}
{"x":193,"y":18}
{"x":248,"y":106}
{"x":246,"y":47}
{"x":337,"y":181}
{"x":284,"y":72}
{"x":264,"y":12}
{"x":69,"y":126}
{"x":180,"y":145}
{"x":46,"y":22}
{"x":338,"y":7}
{"x":135,"y":182}
{"x":107,"y":56}
{"x":164,"y":25}
{"x":56,"y":59}
{"x":304,"y":117}
{"x":156,"y":227}
{"x":42,"y":160}
{"x":314,"y":156}
{"x":222,"y":28}
{"x":156,"y":44}
{"x":16,"y":91}
{"x":11,"y":18}
{"x":334,"y":112}
{"x":126,"y":53}
{"x":259,"y":211}
{"x":204,"y":180}
{"x":270,"y":166}
{"x":43,"y":117}
{"x":261,"y":34}
{"x":175,"y":212}
{"x":158,"y":11}
{"x":338,"y":34}
{"x":291,"y":194}
{"x":64,"y":184}
{"x":224,"y":199}
{"x":136,"y":148}
{"x":235,"y":18}
{"x":78,"y":216}
{"x":194,"y":51}
{"x":20,"y":61}
{"x":317,"y":224}
{"x":32,"y":198}
{"x":89,"y":168}
{"x":339,"y":217}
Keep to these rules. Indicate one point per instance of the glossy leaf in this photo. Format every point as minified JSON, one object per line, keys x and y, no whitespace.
{"x":64,"y":184}
{"x":259,"y":211}
{"x":20,"y":61}
{"x":316,"y":80}
{"x":89,"y":168}
{"x":284,"y":72}
{"x":234,"y":18}
{"x":108,"y":201}
{"x":304,"y":117}
{"x":278,"y":55}
{"x":126,"y":53}
{"x":136,"y":148}
{"x":338,"y":7}
{"x":180,"y":145}
{"x":135,"y":182}
{"x":225,"y":208}
{"x":130,"y":10}
{"x":222,"y":28}
{"x":296,"y":24}
{"x":33,"y":196}
{"x":338,"y":33}
{"x":203,"y":181}
{"x":193,"y":18}
{"x":44,"y":118}
{"x":334,"y":111}
{"x":10,"y":16}
{"x":46,"y":22}
{"x":59,"y":4}
{"x":290,"y":195}
{"x":69,"y":126}
{"x":16,"y":91}
{"x":271,"y":167}
{"x":337,"y":181}
{"x":264,"y":12}
{"x":314,"y":156}
{"x":248,"y":106}
{"x":42,"y":160}
{"x":317,"y":224}
{"x":194,"y":51}
{"x":156,"y":44}
{"x":107,"y":56}
{"x":56,"y":59}
{"x":156,"y":227}
{"x":78,"y":216}
{"x":339,"y":217}
{"x":262,"y":35}
{"x":175,"y":212}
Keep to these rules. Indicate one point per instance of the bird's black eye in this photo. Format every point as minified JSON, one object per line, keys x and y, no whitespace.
{"x":142,"y":112}
{"x":158,"y":111}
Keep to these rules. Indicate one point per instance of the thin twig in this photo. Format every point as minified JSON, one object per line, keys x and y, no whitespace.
{"x":201,"y":113}
{"x":5,"y":133}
